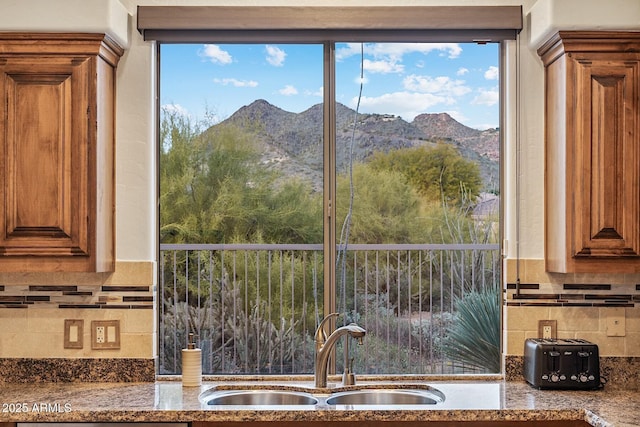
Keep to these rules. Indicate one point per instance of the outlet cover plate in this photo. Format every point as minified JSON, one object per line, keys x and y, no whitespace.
{"x":109,"y":336}
{"x":548,"y":329}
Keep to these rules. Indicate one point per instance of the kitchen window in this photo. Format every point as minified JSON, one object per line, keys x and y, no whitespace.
{"x":273,"y":217}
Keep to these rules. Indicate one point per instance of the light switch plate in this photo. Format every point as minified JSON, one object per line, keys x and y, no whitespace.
{"x":73,"y":333}
{"x":105,"y":334}
{"x":616,"y":322}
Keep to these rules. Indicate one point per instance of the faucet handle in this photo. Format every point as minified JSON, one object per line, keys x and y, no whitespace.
{"x":321,"y":333}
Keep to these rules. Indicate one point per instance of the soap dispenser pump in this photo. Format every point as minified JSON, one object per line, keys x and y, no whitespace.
{"x":191,"y":364}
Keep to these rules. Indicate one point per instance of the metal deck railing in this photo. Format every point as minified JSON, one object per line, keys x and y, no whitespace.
{"x":255,"y":307}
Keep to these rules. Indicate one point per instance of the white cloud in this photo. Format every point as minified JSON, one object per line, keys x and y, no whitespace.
{"x":236,"y":82}
{"x":213,"y":53}
{"x":440,"y":85}
{"x":350,"y":50}
{"x":288,"y":90}
{"x":487,"y":97}
{"x":393,"y":52}
{"x":398,"y":50}
{"x":462,"y":71}
{"x":275,"y":55}
{"x":382,"y":66}
{"x":404,"y":104}
{"x":493,"y":73}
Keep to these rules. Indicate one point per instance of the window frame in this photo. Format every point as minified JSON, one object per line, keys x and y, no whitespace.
{"x":325,"y":26}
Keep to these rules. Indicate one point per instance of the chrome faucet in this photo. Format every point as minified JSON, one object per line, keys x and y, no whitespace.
{"x":324,"y":345}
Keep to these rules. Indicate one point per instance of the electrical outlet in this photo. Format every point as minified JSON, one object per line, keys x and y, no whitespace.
{"x":105,"y":334}
{"x":100,"y":335}
{"x":547,"y":329}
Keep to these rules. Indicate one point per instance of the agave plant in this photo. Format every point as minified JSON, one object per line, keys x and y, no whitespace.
{"x":474,"y":337}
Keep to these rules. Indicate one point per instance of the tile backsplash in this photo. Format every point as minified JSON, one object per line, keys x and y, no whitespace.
{"x":34,"y":306}
{"x":581,"y":304}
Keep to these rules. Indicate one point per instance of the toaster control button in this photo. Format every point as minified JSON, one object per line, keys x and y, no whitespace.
{"x":563,"y":377}
{"x":545,"y":377}
{"x":584,"y":378}
{"x":574,"y":378}
{"x":555,"y":378}
{"x":591,"y":378}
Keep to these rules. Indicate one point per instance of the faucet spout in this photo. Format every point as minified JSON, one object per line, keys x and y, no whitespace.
{"x":325,"y":344}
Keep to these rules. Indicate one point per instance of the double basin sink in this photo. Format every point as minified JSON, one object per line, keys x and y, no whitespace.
{"x":378,"y":396}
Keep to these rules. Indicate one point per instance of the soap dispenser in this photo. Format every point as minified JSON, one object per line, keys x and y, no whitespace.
{"x":191,"y":364}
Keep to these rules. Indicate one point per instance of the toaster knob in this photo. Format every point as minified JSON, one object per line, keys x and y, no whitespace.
{"x":554,"y":378}
{"x":584,"y":378}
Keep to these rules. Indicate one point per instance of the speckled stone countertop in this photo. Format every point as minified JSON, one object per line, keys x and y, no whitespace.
{"x":168,"y":401}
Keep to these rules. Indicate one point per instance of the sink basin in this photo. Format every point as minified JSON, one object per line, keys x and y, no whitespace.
{"x":386,"y":397}
{"x":259,"y":397}
{"x":300,"y":398}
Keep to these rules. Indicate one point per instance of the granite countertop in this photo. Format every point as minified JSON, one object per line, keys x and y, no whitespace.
{"x":168,"y":401}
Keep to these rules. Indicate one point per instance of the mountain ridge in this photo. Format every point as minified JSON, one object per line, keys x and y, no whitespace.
{"x":292,"y":141}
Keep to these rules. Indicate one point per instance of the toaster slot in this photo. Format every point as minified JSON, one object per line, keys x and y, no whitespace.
{"x":583,"y":361}
{"x":586,"y":371}
{"x":553,"y":361}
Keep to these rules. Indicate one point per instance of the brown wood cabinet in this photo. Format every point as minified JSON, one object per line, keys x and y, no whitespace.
{"x":592,"y":152}
{"x":57,"y":152}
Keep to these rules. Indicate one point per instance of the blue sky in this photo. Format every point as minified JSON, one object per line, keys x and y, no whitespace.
{"x":399,"y":78}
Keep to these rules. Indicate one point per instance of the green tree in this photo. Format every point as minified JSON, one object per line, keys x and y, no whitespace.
{"x":213,"y":189}
{"x":439,"y":173}
{"x":386,"y":209}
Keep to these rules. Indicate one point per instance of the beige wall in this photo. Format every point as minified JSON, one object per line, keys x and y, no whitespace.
{"x":136,"y":154}
{"x":35,"y":328}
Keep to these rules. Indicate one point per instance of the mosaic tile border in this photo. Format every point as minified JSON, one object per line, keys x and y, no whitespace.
{"x":620,"y":373}
{"x":77,"y":296}
{"x":573,"y":295}
{"x":77,"y":370}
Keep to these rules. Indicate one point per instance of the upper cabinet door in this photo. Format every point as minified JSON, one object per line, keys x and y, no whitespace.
{"x":57,"y":152}
{"x":592,"y":152}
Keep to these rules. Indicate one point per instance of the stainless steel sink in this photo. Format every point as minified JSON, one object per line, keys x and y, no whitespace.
{"x":386,"y":397}
{"x":258,"y":397}
{"x":298,"y":398}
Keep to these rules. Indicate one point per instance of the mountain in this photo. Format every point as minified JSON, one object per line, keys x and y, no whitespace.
{"x":292,"y":142}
